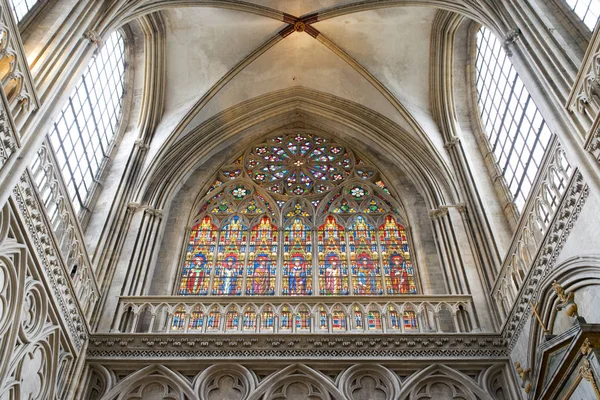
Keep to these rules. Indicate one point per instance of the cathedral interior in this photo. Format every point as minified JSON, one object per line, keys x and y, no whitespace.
{"x":299,"y":199}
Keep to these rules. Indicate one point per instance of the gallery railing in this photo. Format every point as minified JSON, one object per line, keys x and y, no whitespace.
{"x":536,"y":219}
{"x":314,"y":314}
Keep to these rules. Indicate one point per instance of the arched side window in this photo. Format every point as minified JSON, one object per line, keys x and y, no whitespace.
{"x":22,"y":7}
{"x":516,"y":131}
{"x":84,"y":131}
{"x":588,"y":11}
{"x":298,"y":215}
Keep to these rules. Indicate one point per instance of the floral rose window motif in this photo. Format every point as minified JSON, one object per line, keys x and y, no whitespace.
{"x":299,"y":164}
{"x":340,"y":234}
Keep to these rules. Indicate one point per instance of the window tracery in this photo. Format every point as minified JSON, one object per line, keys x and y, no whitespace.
{"x":254,"y":240}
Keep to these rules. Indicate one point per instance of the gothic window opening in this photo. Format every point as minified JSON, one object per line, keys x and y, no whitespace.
{"x":22,"y":7}
{"x":588,"y":11}
{"x":83,"y":133}
{"x":515,"y":130}
{"x":297,"y":215}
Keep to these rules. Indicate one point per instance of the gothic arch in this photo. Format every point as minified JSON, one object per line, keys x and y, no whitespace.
{"x":572,"y":274}
{"x":384,"y":380}
{"x":240,"y":380}
{"x":155,"y":372}
{"x":251,"y":120}
{"x":298,"y":373}
{"x":445,"y":375}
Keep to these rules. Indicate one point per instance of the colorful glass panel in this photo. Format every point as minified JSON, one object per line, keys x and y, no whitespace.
{"x":199,"y":259}
{"x":267,"y":319}
{"x":333,"y":270}
{"x":297,"y":271}
{"x":338,"y":320}
{"x":364,"y":258}
{"x":178,"y":319}
{"x":410,"y":321}
{"x":322,"y":319}
{"x":232,"y":252}
{"x":213,"y":321}
{"x":249,"y":321}
{"x":232,"y":320}
{"x":196,"y":320}
{"x":394,"y":319}
{"x":303,"y":319}
{"x":358,"y":318}
{"x":374,"y":320}
{"x":286,"y":318}
{"x":262,"y":261}
{"x":298,"y":164}
{"x":398,"y":269}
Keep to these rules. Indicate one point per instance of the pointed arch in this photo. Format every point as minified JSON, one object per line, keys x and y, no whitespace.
{"x":443,"y":374}
{"x":151,"y":372}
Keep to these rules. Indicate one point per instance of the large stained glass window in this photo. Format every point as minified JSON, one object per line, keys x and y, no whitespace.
{"x":256,"y":233}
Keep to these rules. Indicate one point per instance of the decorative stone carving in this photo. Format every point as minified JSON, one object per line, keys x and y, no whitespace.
{"x":509,"y":38}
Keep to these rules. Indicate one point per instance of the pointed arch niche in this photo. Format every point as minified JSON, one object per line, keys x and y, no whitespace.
{"x":298,"y":214}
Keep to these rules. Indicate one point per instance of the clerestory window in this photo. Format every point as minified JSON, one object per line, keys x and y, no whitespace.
{"x":83,"y":132}
{"x":22,"y":7}
{"x":297,"y":215}
{"x":516,"y":131}
{"x":588,"y":11}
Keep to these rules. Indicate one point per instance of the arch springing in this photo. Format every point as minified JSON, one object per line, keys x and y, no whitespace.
{"x":516,"y":132}
{"x":344,"y":239}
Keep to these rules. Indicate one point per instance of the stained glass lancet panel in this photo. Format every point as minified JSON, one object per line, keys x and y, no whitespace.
{"x":195,"y":277}
{"x":366,"y":274}
{"x":262,"y":263}
{"x":297,"y":255}
{"x":398,"y":269}
{"x":232,"y":252}
{"x":333,"y":268}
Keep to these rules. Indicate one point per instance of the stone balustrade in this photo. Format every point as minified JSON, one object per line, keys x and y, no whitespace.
{"x":15,"y":76}
{"x":538,"y":215}
{"x":314,"y":314}
{"x":584,"y":99}
{"x":65,"y":227}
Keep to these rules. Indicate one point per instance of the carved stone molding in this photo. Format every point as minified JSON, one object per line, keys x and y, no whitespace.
{"x":285,"y":347}
{"x":49,"y":257}
{"x":554,"y":241}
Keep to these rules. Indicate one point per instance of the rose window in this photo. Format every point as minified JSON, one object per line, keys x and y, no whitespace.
{"x":298,"y":164}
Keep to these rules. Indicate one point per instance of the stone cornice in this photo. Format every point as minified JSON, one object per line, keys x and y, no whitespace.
{"x":295,"y":346}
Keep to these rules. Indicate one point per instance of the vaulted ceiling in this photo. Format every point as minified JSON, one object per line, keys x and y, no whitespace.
{"x":222,"y":54}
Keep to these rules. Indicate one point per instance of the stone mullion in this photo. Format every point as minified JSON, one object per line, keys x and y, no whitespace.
{"x":381,"y":261}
